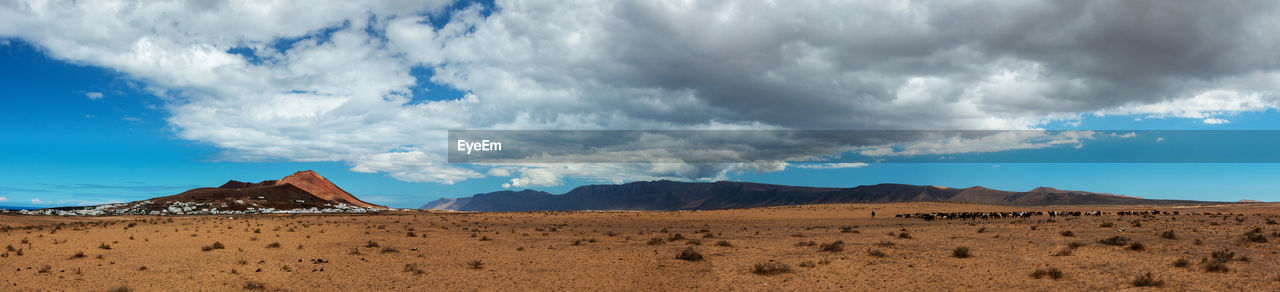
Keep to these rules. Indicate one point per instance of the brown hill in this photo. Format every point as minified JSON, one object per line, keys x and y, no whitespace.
{"x":310,"y":182}
{"x":301,"y":192}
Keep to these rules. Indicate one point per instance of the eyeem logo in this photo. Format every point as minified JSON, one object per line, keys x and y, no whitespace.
{"x":482,"y":146}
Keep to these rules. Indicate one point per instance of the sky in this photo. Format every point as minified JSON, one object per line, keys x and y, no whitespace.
{"x":114,"y":101}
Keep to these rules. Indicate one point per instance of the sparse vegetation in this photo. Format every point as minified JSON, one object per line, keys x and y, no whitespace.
{"x":961,"y":252}
{"x":836,"y":246}
{"x":876,"y":253}
{"x":724,"y":243}
{"x":475,"y":264}
{"x":1255,"y":236}
{"x":413,"y":268}
{"x":254,"y":286}
{"x":1180,"y":263}
{"x":1115,"y":241}
{"x":1146,"y":280}
{"x":1068,"y":233}
{"x":689,"y":254}
{"x":1107,"y":225}
{"x":655,"y":241}
{"x":1052,"y":273}
{"x":770,"y":268}
{"x":1137,"y":246}
{"x":273,"y":245}
{"x":1168,"y":235}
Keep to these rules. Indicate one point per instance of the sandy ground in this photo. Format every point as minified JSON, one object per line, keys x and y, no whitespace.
{"x":613,"y":250}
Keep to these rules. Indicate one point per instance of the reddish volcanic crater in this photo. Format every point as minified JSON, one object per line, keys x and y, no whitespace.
{"x":310,"y":182}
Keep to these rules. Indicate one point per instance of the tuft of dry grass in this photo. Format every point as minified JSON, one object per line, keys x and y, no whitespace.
{"x":1147,"y":280}
{"x":770,"y":268}
{"x":1052,"y":273}
{"x":836,"y":246}
{"x":254,"y":286}
{"x":413,"y":268}
{"x":1115,"y":241}
{"x":961,"y":252}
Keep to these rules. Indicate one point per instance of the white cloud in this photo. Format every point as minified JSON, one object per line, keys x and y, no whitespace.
{"x":831,"y":165}
{"x":37,"y":201}
{"x":1215,"y":121}
{"x":1125,"y":135}
{"x":317,"y":85}
{"x":3,"y":199}
{"x":948,"y":143}
{"x":93,"y":95}
{"x":1204,"y":105}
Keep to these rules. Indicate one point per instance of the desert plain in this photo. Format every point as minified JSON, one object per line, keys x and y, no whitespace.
{"x":791,"y":248}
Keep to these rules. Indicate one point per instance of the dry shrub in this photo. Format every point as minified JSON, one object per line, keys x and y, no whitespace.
{"x":689,"y":254}
{"x":1052,"y":273}
{"x":1146,"y":280}
{"x":1115,"y":241}
{"x":770,"y":268}
{"x":837,"y":246}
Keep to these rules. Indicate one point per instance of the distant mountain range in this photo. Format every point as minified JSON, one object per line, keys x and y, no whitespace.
{"x":670,"y":195}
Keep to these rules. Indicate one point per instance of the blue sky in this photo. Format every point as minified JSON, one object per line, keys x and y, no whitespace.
{"x":364,"y":93}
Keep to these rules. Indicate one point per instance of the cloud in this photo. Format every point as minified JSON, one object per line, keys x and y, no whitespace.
{"x":93,"y":95}
{"x":983,"y":142}
{"x":37,"y":201}
{"x":3,"y":199}
{"x":332,"y":81}
{"x":831,"y":165}
{"x":1215,"y":121}
{"x":1159,"y":139}
{"x":1125,"y":135}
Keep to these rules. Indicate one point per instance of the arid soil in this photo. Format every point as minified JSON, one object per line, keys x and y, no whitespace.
{"x":638,"y":250}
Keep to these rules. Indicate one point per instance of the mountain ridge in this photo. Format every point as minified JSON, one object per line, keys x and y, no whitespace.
{"x":671,"y":195}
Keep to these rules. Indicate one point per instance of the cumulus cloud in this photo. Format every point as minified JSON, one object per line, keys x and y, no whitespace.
{"x":37,"y":201}
{"x":93,"y":95}
{"x":306,"y":81}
